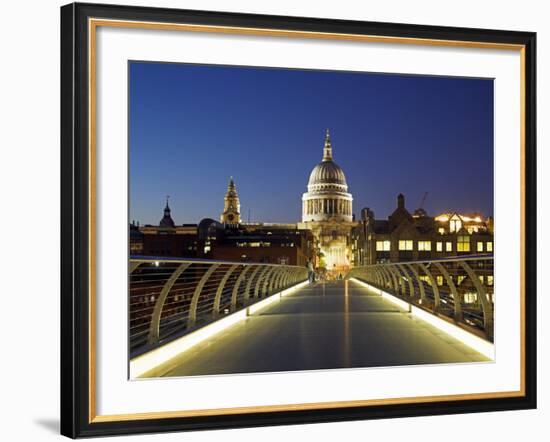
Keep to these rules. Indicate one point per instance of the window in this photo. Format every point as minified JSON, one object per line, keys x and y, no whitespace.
{"x":424,"y":246}
{"x":439,"y":279}
{"x":480,"y":247}
{"x":489,"y":246}
{"x":382,"y":246}
{"x":460,"y":278}
{"x":424,"y":278}
{"x":405,"y":244}
{"x":455,"y":225}
{"x":481,"y":278}
{"x":439,"y":246}
{"x":490,"y":279}
{"x":470,"y":298}
{"x":463,"y":244}
{"x":448,"y":246}
{"x":441,"y":230}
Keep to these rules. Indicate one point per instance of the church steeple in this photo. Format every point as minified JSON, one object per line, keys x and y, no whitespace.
{"x":232,"y":207}
{"x":327,"y":150}
{"x":167,"y":220}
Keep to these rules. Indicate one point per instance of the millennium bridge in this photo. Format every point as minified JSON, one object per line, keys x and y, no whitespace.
{"x":202,"y":317}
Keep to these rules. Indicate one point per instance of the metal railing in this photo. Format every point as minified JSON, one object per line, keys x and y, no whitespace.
{"x":171,"y":297}
{"x":461,"y":289}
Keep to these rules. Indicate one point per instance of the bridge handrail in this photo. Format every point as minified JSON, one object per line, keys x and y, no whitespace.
{"x":484,"y":256}
{"x":142,"y":258}
{"x":169,"y":297}
{"x":440,"y":285}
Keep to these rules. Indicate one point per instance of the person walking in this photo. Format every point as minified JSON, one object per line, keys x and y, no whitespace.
{"x":310,"y":273}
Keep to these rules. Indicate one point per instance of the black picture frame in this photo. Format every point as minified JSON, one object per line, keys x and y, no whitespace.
{"x":76,"y":402}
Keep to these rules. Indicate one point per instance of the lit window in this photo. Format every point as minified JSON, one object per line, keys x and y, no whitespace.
{"x":424,"y":278}
{"x":480,"y":247}
{"x":463,"y":244}
{"x":481,"y":278}
{"x":439,"y":246}
{"x":424,"y":246}
{"x":405,"y":244}
{"x":439,"y":279}
{"x":382,"y":246}
{"x":441,"y":230}
{"x":470,"y":298}
{"x":490,"y":246}
{"x":455,"y":225}
{"x":460,"y":278}
{"x":448,"y":246}
{"x":490,"y":280}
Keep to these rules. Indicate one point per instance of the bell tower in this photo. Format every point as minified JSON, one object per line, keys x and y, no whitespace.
{"x":232,"y":207}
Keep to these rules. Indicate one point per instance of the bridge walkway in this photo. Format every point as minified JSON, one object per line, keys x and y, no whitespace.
{"x":338,"y":324}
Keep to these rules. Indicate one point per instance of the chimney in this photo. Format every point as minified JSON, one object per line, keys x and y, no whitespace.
{"x":400,"y":201}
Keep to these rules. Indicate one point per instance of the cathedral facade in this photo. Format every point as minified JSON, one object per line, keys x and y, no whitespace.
{"x":327,"y":210}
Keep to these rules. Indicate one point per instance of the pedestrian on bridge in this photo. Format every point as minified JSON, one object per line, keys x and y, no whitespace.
{"x":310,"y":272}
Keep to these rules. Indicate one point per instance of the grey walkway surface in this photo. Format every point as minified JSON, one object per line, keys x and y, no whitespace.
{"x":326,"y":325}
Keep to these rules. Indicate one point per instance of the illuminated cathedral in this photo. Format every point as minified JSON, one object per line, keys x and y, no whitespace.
{"x":327,"y":210}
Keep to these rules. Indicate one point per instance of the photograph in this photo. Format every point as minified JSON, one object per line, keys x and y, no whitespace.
{"x":272,"y":220}
{"x":283,"y":220}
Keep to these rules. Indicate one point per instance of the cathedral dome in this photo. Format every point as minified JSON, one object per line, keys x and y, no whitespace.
{"x":327,"y":172}
{"x":327,"y":197}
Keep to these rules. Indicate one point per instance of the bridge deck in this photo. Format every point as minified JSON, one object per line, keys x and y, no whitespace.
{"x":326,"y":325}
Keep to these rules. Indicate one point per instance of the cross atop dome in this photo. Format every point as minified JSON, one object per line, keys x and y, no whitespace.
{"x":327,"y":150}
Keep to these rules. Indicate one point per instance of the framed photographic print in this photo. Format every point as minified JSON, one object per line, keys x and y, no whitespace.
{"x":271,"y":220}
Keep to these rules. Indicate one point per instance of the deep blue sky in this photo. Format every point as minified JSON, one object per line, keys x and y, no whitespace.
{"x":192,"y":126}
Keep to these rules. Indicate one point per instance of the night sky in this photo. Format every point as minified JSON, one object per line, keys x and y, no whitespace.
{"x":193,"y":126}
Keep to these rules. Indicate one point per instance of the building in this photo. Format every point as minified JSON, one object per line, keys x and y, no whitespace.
{"x":410,"y":237}
{"x":228,"y":241}
{"x":266,"y":243}
{"x":165,"y":239}
{"x":231,"y":215}
{"x":327,"y":210}
{"x":328,"y":234}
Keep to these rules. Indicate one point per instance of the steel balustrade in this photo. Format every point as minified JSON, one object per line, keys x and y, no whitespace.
{"x":171,"y":297}
{"x":461,"y":289}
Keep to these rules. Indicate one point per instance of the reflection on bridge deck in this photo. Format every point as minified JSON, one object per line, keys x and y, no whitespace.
{"x":338,"y":324}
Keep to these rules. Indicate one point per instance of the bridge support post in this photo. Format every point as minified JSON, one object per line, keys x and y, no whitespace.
{"x":192,"y":318}
{"x":419,"y":282}
{"x":219,"y":290}
{"x":486,"y":305}
{"x":235,"y":291}
{"x":454,"y":291}
{"x":154,"y":328}
{"x":246,"y":295}
{"x":433,"y":283}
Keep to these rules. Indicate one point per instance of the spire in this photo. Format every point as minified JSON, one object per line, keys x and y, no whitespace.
{"x":167,"y":220}
{"x":231,"y":211}
{"x":327,"y":151}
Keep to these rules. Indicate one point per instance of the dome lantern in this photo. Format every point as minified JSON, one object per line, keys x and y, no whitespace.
{"x":327,"y":151}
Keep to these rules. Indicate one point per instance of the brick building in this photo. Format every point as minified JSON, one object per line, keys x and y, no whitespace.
{"x":409,"y":237}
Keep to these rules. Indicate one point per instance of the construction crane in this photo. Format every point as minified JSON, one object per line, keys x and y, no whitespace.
{"x":420,"y":212}
{"x":423,"y":200}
